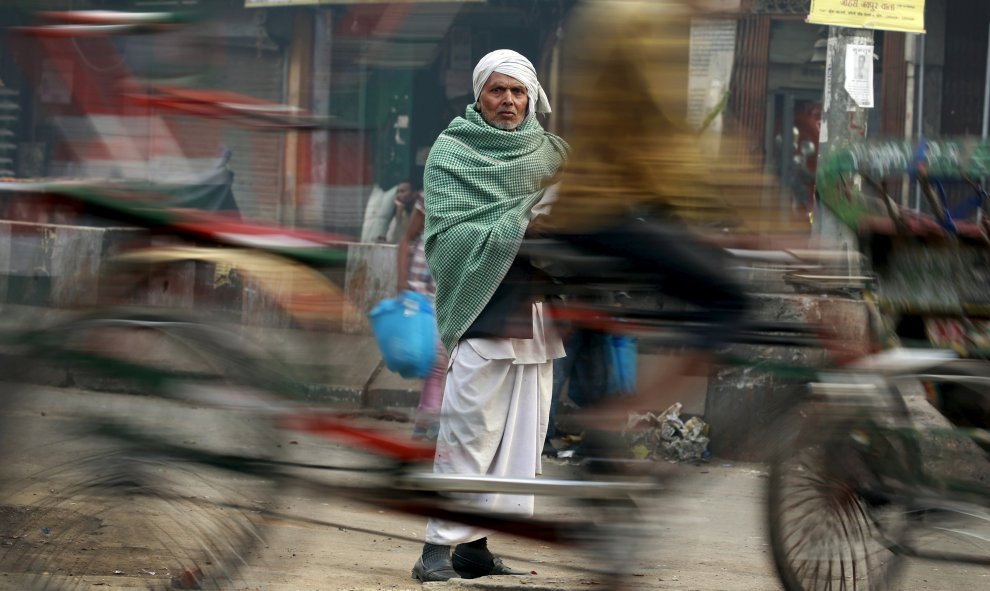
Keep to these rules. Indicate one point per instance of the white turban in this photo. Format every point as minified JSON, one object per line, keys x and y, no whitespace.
{"x":511,"y":63}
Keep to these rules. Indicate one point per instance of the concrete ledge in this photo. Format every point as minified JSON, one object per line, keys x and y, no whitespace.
{"x":47,"y":270}
{"x":332,"y":368}
{"x":390,"y":390}
{"x":62,"y":266}
{"x":56,"y":265}
{"x":946,"y":457}
{"x":742,"y":403}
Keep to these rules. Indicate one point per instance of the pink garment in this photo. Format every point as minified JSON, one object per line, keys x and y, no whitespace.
{"x":421,"y":281}
{"x":431,"y":398}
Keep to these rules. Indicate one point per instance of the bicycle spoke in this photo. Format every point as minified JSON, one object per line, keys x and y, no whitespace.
{"x":825,"y":536}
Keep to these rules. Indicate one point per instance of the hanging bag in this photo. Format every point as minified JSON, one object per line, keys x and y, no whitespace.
{"x":622,"y":352}
{"x":406,"y":332}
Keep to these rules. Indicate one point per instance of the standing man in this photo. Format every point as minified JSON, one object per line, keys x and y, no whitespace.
{"x":484,"y":174}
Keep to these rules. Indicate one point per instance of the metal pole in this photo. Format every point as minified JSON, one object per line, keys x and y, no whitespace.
{"x":843,"y":123}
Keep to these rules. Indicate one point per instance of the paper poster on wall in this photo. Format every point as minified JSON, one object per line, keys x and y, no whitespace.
{"x":859,"y":74}
{"x":887,"y":15}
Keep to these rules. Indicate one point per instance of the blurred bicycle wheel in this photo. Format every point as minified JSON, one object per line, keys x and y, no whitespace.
{"x":144,"y":460}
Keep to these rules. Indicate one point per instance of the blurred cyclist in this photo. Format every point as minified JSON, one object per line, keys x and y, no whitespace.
{"x":637,"y":185}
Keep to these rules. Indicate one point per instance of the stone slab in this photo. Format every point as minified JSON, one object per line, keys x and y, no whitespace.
{"x":742,"y":402}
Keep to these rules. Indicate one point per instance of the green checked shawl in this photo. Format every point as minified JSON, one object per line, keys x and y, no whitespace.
{"x":480,"y":184}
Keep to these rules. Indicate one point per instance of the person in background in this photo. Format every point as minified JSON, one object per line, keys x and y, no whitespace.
{"x":404,"y":205}
{"x":414,"y":275}
{"x":582,"y":375}
{"x":381,"y":209}
{"x":597,"y":366}
{"x":485,"y":174}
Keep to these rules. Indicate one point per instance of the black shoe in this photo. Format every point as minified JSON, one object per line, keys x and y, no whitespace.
{"x":434,"y":565}
{"x":549,"y":450}
{"x":473,"y":560}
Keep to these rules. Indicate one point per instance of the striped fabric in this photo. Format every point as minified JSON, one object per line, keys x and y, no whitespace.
{"x":420,"y":278}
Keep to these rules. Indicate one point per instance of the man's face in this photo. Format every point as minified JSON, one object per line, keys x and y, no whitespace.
{"x":503,"y":102}
{"x":404,"y":194}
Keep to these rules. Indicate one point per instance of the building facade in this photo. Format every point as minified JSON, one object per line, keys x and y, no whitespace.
{"x":932,"y":85}
{"x":390,"y":76}
{"x":387,"y":76}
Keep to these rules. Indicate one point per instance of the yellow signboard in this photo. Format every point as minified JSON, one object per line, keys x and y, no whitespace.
{"x":889,"y":15}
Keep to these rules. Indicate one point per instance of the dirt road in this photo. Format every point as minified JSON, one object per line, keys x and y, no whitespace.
{"x":708,"y":523}
{"x":711,"y":539}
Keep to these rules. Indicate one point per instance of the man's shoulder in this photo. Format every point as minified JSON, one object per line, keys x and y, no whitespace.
{"x":558,"y":142}
{"x":457,"y":123}
{"x":447,"y":142}
{"x":555,"y":137}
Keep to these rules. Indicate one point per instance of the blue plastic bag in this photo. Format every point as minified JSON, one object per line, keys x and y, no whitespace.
{"x":622,"y":364}
{"x":406,"y":333}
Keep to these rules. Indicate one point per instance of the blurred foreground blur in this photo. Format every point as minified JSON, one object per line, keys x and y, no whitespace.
{"x":225,"y":166}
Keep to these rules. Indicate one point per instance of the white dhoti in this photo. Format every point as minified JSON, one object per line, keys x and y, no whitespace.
{"x":494,"y":417}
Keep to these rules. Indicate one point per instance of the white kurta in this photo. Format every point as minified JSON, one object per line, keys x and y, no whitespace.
{"x":494,"y":417}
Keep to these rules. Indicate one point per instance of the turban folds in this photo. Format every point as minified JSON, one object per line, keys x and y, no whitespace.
{"x":511,"y":63}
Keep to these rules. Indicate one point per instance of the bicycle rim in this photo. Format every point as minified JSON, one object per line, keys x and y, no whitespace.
{"x":830,"y":526}
{"x":824,"y":534}
{"x":111,"y":487}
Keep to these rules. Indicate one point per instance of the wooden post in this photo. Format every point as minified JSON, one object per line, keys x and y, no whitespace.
{"x":299,"y":85}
